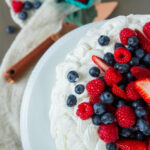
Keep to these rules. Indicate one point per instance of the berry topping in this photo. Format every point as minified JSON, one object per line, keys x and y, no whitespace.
{"x":94,"y":72}
{"x":146,"y":60}
{"x":146,"y":29}
{"x":84,"y":111}
{"x":95,"y":87}
{"x":71,"y":101}
{"x":79,"y":89}
{"x":119,"y":92}
{"x":122,"y":55}
{"x":107,"y":118}
{"x":139,"y":136}
{"x":73,"y":76}
{"x":94,"y":100}
{"x":136,"y":104}
{"x":123,"y":68}
{"x":120,"y":103}
{"x":143,"y":87}
{"x":133,"y":41}
{"x":103,"y":40}
{"x":28,"y":5}
{"x":10,"y":29}
{"x":111,"y":146}
{"x":129,"y":76}
{"x":125,"y":34}
{"x":37,"y":4}
{"x":17,"y":6}
{"x":131,"y":145}
{"x":125,"y":116}
{"x":118,"y":45}
{"x":134,"y":61}
{"x":125,"y":132}
{"x":131,"y":92}
{"x":96,"y":119}
{"x":100,"y":63}
{"x":140,"y":73}
{"x":107,"y":97}
{"x":99,"y":108}
{"x":144,"y":42}
{"x":112,"y":76}
{"x":109,"y":58}
{"x":23,"y":15}
{"x":140,"y":53}
{"x":140,"y":112}
{"x":108,"y":133}
{"x":143,"y":125}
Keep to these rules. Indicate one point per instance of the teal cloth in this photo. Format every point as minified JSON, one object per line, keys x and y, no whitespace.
{"x":82,"y":16}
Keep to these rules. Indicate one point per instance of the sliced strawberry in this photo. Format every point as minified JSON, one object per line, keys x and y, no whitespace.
{"x":143,"y":87}
{"x":144,"y":42}
{"x":131,"y":145}
{"x":119,"y":92}
{"x":146,"y":30}
{"x":140,"y":73}
{"x":100,"y":63}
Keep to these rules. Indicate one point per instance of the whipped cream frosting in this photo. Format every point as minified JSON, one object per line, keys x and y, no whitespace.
{"x":68,"y":130}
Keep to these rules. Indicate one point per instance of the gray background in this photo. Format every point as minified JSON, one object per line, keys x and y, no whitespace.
{"x":125,"y":7}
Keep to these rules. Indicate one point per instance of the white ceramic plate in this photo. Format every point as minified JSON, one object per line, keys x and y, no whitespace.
{"x":35,"y":125}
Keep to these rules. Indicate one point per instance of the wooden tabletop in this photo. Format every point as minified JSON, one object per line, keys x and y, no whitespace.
{"x":125,"y":7}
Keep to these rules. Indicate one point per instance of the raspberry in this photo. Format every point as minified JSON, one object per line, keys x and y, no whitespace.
{"x":94,"y":100}
{"x":125,"y":34}
{"x":95,"y":87}
{"x":112,"y":76}
{"x":85,"y":111}
{"x":122,"y":55}
{"x":119,"y":92}
{"x":146,"y":29}
{"x":140,"y":73}
{"x":125,"y":116}
{"x":17,"y":6}
{"x":108,"y":133}
{"x":131,"y":92}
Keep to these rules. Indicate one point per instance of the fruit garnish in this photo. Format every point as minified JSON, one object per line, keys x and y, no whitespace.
{"x":146,"y":29}
{"x":17,"y":6}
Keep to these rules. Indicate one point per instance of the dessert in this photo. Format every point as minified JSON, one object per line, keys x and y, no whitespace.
{"x":102,"y":93}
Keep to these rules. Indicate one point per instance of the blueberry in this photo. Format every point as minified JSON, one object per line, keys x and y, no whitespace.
{"x":118,"y":45}
{"x":79,"y":89}
{"x":146,"y":60}
{"x":111,"y":146}
{"x":28,"y":5}
{"x":139,"y":136}
{"x":140,"y":53}
{"x":96,"y":119}
{"x":143,"y":125}
{"x":120,"y":103}
{"x":116,"y":66}
{"x":131,"y":49}
{"x":125,"y":132}
{"x":143,"y":66}
{"x":136,"y":104}
{"x":10,"y":29}
{"x":123,"y":68}
{"x":134,"y":128}
{"x":109,"y":58}
{"x":122,"y":86}
{"x":99,"y":108}
{"x":107,"y":97}
{"x":107,"y":118}
{"x":71,"y":101}
{"x":37,"y":4}
{"x":103,"y":40}
{"x":134,"y":61}
{"x":23,"y":15}
{"x":94,"y":72}
{"x":147,"y":132}
{"x":133,"y":41}
{"x":72,"y":76}
{"x":140,"y":112}
{"x":129,"y":76}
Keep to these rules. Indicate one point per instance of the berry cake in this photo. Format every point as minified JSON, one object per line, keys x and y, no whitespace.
{"x":101,"y":99}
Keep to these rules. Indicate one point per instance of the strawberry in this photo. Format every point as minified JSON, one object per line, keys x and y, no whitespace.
{"x":125,"y":34}
{"x":119,"y":92}
{"x":100,"y":63}
{"x":131,"y":145}
{"x":122,"y":55}
{"x":112,"y":76}
{"x":146,"y":29}
{"x":131,"y":92}
{"x":95,"y":87}
{"x":143,"y":87}
{"x":17,"y":6}
{"x":140,"y":73}
{"x":144,"y":42}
